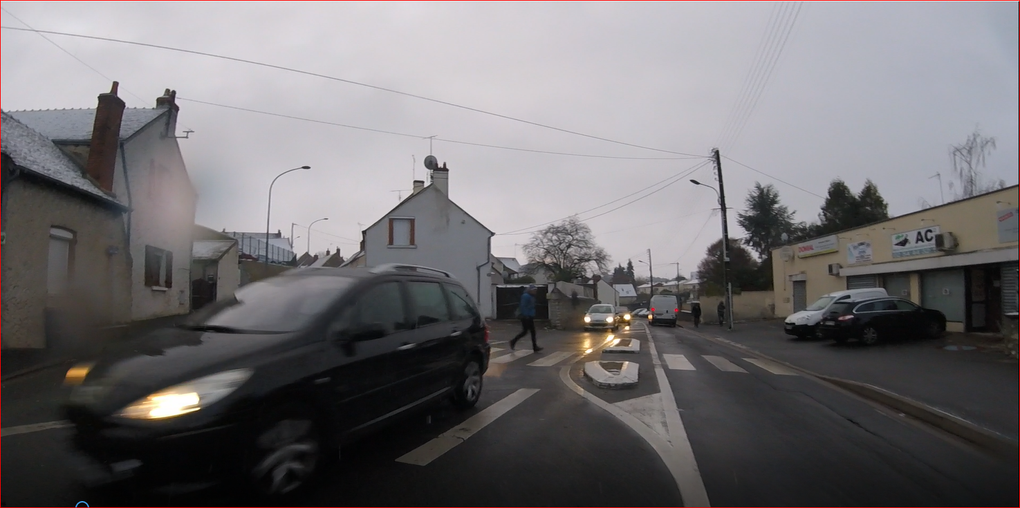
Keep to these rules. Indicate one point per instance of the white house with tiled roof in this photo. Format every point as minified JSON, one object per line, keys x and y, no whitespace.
{"x":132,"y":156}
{"x":429,"y":229}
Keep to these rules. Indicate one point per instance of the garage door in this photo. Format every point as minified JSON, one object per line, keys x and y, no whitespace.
{"x":861,"y":282}
{"x":897,"y":284}
{"x":799,"y":295}
{"x":1009,"y":288}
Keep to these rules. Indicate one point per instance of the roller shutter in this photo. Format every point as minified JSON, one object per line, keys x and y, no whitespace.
{"x":861,"y":282}
{"x":799,"y":295}
{"x":1009,"y":288}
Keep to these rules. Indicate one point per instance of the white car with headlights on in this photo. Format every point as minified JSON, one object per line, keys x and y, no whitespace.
{"x":601,"y":316}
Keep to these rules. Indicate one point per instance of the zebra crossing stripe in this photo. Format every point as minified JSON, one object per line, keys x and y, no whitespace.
{"x":516,"y":355}
{"x":678,"y":362}
{"x":724,"y":364}
{"x":772,"y":367}
{"x":552,"y":359}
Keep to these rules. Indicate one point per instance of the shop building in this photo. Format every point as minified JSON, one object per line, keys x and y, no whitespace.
{"x":959,"y":258}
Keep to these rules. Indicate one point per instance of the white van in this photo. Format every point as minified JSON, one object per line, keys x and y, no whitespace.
{"x":805,"y":323}
{"x":664,"y":309}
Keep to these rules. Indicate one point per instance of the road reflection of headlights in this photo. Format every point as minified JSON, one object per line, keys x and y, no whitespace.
{"x":186,"y":397}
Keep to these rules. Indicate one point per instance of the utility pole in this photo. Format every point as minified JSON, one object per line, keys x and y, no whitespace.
{"x":726,"y":241}
{"x":651,"y":279}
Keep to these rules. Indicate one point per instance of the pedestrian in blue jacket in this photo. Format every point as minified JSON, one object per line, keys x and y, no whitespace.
{"x":527,"y":316}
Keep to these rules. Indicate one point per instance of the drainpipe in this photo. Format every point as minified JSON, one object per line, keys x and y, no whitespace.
{"x":127,"y":236}
{"x":478,"y":272}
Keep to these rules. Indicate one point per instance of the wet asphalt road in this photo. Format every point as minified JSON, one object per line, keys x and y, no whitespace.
{"x":759,"y":436}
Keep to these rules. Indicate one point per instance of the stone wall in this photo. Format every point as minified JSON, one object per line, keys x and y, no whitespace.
{"x":747,"y":306}
{"x":100,"y":268}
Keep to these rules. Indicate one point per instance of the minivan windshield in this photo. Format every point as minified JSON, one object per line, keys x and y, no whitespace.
{"x":277,"y":305}
{"x":821,"y":304}
{"x":600,"y":309}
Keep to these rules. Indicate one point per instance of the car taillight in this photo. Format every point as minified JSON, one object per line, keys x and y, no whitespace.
{"x":653,"y":309}
{"x":486,"y":334}
{"x":676,"y":310}
{"x":846,"y":318}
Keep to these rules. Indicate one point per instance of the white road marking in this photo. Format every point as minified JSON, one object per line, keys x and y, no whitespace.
{"x":35,"y":427}
{"x":724,"y":364}
{"x":428,"y":452}
{"x":497,"y":349}
{"x":552,"y":359}
{"x":516,"y":355}
{"x":772,"y":367}
{"x":685,"y":471}
{"x":678,"y":362}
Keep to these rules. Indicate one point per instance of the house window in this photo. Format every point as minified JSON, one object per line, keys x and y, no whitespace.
{"x":159,"y":267}
{"x":401,"y":232}
{"x":60,"y":260}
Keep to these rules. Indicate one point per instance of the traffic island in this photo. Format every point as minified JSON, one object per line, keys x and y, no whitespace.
{"x":612,"y":374}
{"x":623,"y":346}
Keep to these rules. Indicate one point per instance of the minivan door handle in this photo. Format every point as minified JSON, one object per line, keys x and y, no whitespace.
{"x":457,"y":333}
{"x":407,"y":347}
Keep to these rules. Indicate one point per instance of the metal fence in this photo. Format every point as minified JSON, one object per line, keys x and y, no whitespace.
{"x":255,"y":246}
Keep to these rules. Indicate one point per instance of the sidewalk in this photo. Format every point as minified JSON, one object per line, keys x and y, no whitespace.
{"x":967,"y":376}
{"x":20,"y":362}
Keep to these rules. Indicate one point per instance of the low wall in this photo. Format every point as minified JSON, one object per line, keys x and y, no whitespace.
{"x":254,"y":271}
{"x":747,"y":306}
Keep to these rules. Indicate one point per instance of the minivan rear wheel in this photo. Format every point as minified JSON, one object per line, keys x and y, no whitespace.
{"x":468,"y":388}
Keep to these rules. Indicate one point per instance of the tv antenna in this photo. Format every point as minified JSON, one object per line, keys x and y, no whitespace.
{"x":941,"y":192}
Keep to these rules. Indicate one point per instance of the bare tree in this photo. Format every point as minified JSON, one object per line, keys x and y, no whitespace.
{"x":567,"y":250}
{"x":968,"y":158}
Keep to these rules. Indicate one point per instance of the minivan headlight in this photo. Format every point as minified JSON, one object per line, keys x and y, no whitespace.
{"x":609,"y":319}
{"x":186,"y":397}
{"x":587,"y":319}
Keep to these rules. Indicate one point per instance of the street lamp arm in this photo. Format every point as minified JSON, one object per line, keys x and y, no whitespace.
{"x":269,"y":211}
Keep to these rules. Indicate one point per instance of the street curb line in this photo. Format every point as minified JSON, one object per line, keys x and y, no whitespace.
{"x":32,"y":370}
{"x":985,"y":438}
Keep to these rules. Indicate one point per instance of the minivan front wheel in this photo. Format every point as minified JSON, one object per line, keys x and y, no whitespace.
{"x":286,"y":453}
{"x":468,"y":388}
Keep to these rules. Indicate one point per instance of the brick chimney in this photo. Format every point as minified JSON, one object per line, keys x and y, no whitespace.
{"x":441,"y":179}
{"x":169,"y":101}
{"x":102,"y":161}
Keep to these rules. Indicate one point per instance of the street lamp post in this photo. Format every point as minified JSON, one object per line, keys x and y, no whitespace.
{"x":269,"y":210}
{"x":727,"y":295}
{"x":308,"y":235}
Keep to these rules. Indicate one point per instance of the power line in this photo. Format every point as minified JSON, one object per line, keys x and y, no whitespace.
{"x":695,"y":240}
{"x":342,"y":80}
{"x":525,"y":231}
{"x":417,"y":136}
{"x":653,"y":223}
{"x":774,"y":178}
{"x":72,"y":55}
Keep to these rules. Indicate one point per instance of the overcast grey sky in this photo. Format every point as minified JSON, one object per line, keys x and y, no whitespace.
{"x":859,"y":90}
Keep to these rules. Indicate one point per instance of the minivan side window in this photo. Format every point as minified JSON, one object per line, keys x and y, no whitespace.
{"x":382,"y":304}
{"x":867,"y":307}
{"x":463,"y":306}
{"x":429,"y":303}
{"x":905,"y":305}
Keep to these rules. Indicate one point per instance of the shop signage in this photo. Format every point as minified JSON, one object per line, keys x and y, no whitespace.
{"x":1008,"y":226}
{"x":914,"y":243}
{"x":857,"y":253}
{"x":818,"y":246}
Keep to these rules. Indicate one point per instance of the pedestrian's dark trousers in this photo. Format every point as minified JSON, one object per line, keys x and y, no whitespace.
{"x":527,"y":325}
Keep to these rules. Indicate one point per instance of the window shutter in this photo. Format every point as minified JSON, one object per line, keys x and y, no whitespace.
{"x":169,"y":256}
{"x":391,"y":232}
{"x":411,"y":238}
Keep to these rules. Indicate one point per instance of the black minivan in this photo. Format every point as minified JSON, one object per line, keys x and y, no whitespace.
{"x":266,"y":386}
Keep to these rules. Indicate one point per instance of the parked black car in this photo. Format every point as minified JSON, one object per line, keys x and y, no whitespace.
{"x":874,"y":319}
{"x":265,"y":387}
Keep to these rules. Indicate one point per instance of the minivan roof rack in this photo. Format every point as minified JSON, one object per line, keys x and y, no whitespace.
{"x":395,"y":267}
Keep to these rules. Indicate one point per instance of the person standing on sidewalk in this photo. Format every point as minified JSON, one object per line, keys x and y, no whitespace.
{"x":696,"y":313}
{"x":721,"y":310}
{"x":527,"y":316}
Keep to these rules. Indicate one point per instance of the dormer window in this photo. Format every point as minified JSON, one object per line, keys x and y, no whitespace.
{"x":401,"y":232}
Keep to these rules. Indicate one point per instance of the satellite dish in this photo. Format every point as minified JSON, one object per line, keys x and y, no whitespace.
{"x":431,"y":163}
{"x":785,"y":237}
